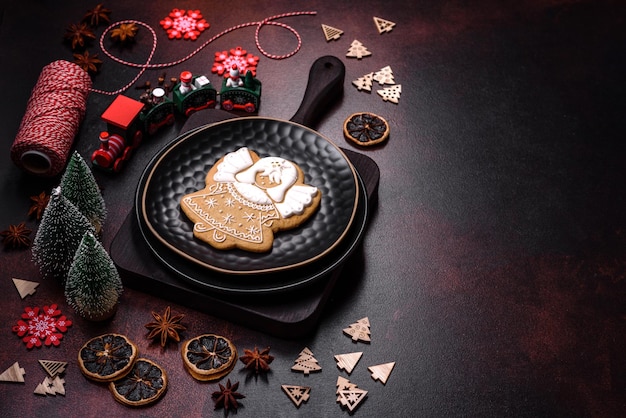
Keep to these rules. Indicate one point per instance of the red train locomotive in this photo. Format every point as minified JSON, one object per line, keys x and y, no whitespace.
{"x":129,"y":120}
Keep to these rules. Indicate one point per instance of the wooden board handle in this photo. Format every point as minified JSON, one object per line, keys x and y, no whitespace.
{"x":325,"y":85}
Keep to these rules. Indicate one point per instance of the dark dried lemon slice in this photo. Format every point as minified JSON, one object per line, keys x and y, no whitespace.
{"x":144,"y":384}
{"x":209,"y":356}
{"x":366,"y":129}
{"x":107,"y":357}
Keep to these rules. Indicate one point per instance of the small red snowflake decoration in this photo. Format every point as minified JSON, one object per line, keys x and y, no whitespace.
{"x":184,"y":24}
{"x":239,"y":57}
{"x":46,"y":325}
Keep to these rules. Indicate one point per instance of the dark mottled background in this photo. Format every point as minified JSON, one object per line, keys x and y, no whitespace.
{"x":492,"y":271}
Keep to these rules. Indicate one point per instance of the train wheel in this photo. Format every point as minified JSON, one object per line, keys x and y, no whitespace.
{"x":118,"y":165}
{"x":228,"y":105}
{"x":137,"y":137}
{"x":249,"y":107}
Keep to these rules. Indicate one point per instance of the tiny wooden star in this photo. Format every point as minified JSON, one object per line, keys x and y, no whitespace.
{"x":165,"y":326}
{"x":257,"y":360}
{"x":17,"y":236}
{"x":227,"y":397}
{"x":39,"y":205}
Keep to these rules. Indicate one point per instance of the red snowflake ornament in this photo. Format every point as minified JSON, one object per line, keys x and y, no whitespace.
{"x":46,"y":325}
{"x":239,"y":57}
{"x":181,"y":24}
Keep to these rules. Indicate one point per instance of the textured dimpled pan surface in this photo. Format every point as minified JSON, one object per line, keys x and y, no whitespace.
{"x":181,"y":167}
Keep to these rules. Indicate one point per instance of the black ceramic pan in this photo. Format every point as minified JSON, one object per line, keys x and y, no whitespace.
{"x":180,"y":168}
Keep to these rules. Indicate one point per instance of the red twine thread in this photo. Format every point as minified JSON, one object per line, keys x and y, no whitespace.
{"x":52,"y":118}
{"x":147,"y":65}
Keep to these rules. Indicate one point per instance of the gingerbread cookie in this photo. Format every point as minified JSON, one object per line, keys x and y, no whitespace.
{"x":247,"y":199}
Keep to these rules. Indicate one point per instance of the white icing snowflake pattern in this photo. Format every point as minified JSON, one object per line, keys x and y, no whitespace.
{"x":211,"y":202}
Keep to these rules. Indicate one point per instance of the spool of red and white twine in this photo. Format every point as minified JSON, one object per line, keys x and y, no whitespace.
{"x":53,"y":115}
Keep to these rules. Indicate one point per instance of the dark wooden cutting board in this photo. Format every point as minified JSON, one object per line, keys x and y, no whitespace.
{"x":287,"y":315}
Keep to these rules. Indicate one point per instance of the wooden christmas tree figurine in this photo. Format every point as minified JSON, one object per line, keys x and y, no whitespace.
{"x":79,"y":186}
{"x":359,"y":331}
{"x":306,"y":363}
{"x":15,"y":373}
{"x":391,"y":94}
{"x":25,"y":287}
{"x":357,"y":50}
{"x":365,"y":82}
{"x":384,"y":76}
{"x":60,"y":232}
{"x":93,"y":284}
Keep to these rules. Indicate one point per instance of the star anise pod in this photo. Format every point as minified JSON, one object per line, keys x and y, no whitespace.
{"x":227,"y":397}
{"x":87,"y":62}
{"x":165,"y":326}
{"x":257,"y":360}
{"x":39,"y":205}
{"x":124,"y":32}
{"x":95,"y":15}
{"x":77,"y":34}
{"x":17,"y":236}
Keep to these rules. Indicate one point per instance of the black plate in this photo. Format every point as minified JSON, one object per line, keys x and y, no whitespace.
{"x":181,"y":167}
{"x":265,"y":283}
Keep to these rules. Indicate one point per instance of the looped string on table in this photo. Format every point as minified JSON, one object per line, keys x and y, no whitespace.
{"x":148,"y":65}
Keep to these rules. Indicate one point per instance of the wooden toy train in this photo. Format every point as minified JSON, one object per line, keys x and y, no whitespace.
{"x":129,"y":121}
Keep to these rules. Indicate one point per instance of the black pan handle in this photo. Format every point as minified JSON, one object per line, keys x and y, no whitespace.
{"x":324,"y":87}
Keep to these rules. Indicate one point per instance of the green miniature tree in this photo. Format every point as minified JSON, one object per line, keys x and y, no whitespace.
{"x":93,"y":284}
{"x":79,"y":186}
{"x":60,"y":232}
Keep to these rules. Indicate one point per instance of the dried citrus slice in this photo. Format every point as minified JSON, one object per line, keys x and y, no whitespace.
{"x":366,"y":129}
{"x":209,"y":356}
{"x":144,"y":384}
{"x":107,"y":357}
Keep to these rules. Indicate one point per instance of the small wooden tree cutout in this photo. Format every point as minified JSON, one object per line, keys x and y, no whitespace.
{"x":25,"y":287}
{"x":381,"y":371}
{"x":359,"y":331}
{"x":352,"y":398}
{"x":348,"y":394}
{"x":13,"y":374}
{"x":383,"y":25}
{"x":50,"y":386}
{"x":384,"y":76}
{"x":52,"y":367}
{"x":331,"y":33}
{"x":348,"y":361}
{"x":306,"y":363}
{"x":391,"y":94}
{"x":344,"y":384}
{"x":365,"y":82}
{"x":357,"y":50}
{"x":297,"y":394}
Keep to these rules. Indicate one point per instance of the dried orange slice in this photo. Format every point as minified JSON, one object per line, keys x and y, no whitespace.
{"x":107,"y":357}
{"x":366,"y":129}
{"x":209,"y":356}
{"x":144,"y":384}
